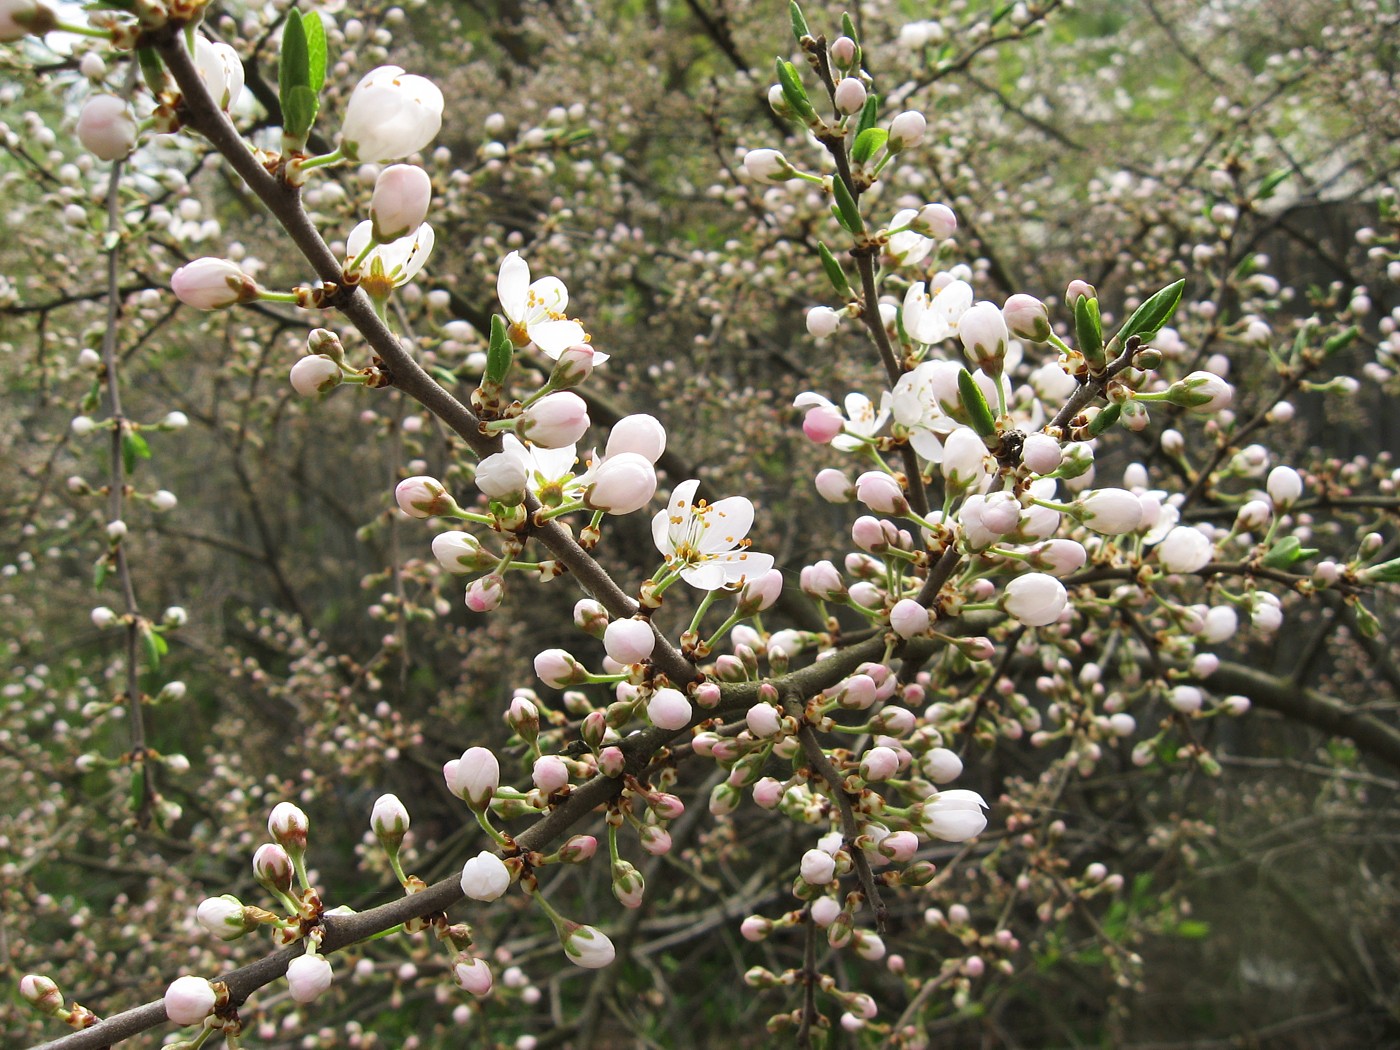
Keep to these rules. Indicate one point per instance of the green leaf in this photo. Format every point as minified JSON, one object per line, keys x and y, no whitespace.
{"x":1147,"y":320}
{"x":834,"y":272}
{"x":1286,"y":552}
{"x":1104,"y":420}
{"x":299,"y":108}
{"x":152,"y":69}
{"x":138,"y":784}
{"x":1088,"y":332}
{"x":154,"y":647}
{"x":1193,"y":929}
{"x":99,"y":573}
{"x":1271,"y":183}
{"x":794,"y":92}
{"x":869,"y":114}
{"x":975,"y":402}
{"x":799,"y":23}
{"x":315,"y":32}
{"x":299,"y":100}
{"x":867,"y":143}
{"x":134,"y":447}
{"x":499,"y":353}
{"x":1385,"y":572}
{"x":1340,"y":341}
{"x":1366,"y":621}
{"x":846,"y":205}
{"x":848,"y":28}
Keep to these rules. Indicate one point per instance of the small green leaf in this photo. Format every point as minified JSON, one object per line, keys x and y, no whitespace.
{"x":152,"y":69}
{"x":445,"y":376}
{"x":1193,"y":929}
{"x":867,"y":143}
{"x":499,"y":353}
{"x":848,"y":28}
{"x":93,"y":397}
{"x":134,"y":447}
{"x":1340,"y":341}
{"x":1366,"y":621}
{"x":794,"y":92}
{"x":315,"y":32}
{"x":1088,"y":332}
{"x":1385,"y":572}
{"x":138,"y":784}
{"x":99,"y":573}
{"x":869,"y":114}
{"x":1147,"y":320}
{"x":153,"y":646}
{"x":834,"y":272}
{"x":846,"y":205}
{"x":1104,"y":420}
{"x":975,"y":402}
{"x":1286,"y":552}
{"x":799,"y":23}
{"x":299,"y":108}
{"x":1271,"y":183}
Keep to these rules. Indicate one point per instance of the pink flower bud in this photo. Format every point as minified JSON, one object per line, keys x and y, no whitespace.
{"x":654,"y":840}
{"x":1202,"y":392}
{"x":906,"y":130}
{"x":823,"y":423}
{"x":485,"y":877}
{"x":107,"y":127}
{"x":472,"y":975}
{"x":573,"y":365}
{"x":578,"y":849}
{"x":628,"y":886}
{"x":849,"y":95}
{"x":1027,"y":318}
{"x":612,"y":762}
{"x":1077,"y":289}
{"x":212,"y":284}
{"x":460,"y":552}
{"x":288,"y":825}
{"x":308,"y":977}
{"x":822,"y":581}
{"x":402,"y":194}
{"x":1040,"y":453}
{"x":1185,"y":698}
{"x":760,"y":593}
{"x":555,"y":420}
{"x":558,"y":669}
{"x":389,"y":819}
{"x":273,"y":868}
{"x":879,"y":763}
{"x":869,"y":534}
{"x":423,"y":497}
{"x":669,"y":709}
{"x":223,"y":917}
{"x":629,"y":641}
{"x":189,"y":1000}
{"x":314,"y":375}
{"x":474,"y":777}
{"x":20,"y":18}
{"x":550,"y":773}
{"x":764,"y":720}
{"x":908,"y":618}
{"x":1035,"y":599}
{"x":881,"y":493}
{"x":485,"y":594}
{"x":834,"y":487}
{"x":936,"y":221}
{"x":641,"y":433}
{"x":622,"y":483}
{"x":899,"y":846}
{"x":983,"y":334}
{"x":755,"y":928}
{"x":36,"y":989}
{"x":818,"y":867}
{"x":1059,"y":557}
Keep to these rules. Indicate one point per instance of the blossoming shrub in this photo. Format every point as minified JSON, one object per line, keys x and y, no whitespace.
{"x":728,"y":525}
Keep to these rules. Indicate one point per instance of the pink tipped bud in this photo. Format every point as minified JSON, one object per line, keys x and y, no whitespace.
{"x":423,"y":497}
{"x":1027,"y":317}
{"x":474,"y":777}
{"x":612,"y":762}
{"x":936,"y":221}
{"x":289,"y":826}
{"x":308,"y":976}
{"x":623,"y":483}
{"x":669,"y":709}
{"x":579,"y":849}
{"x":1035,"y":599}
{"x":555,"y":420}
{"x":315,"y":375}
{"x":640,"y":433}
{"x":588,"y":947}
{"x":189,"y":1000}
{"x":881,"y":493}
{"x":212,"y":284}
{"x":906,"y":130}
{"x":574,"y":365}
{"x":850,"y":95}
{"x":40,"y":991}
{"x":629,"y":641}
{"x":558,"y":669}
{"x":834,"y":487}
{"x":908,"y":618}
{"x":107,"y":127}
{"x":224,"y":917}
{"x":402,"y":194}
{"x":273,"y":868}
{"x":485,"y":594}
{"x":628,"y":886}
{"x":818,"y":867}
{"x":389,"y":820}
{"x":472,"y":975}
{"x":768,"y":165}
